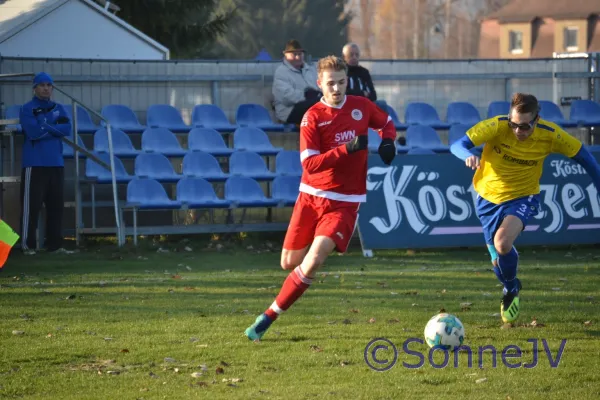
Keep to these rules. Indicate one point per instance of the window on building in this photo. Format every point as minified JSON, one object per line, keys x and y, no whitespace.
{"x":571,"y":39}
{"x":515,"y":42}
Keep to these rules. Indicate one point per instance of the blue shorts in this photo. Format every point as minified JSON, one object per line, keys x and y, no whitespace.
{"x":491,"y":215}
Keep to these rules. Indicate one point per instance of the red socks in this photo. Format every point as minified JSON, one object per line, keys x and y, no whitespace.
{"x":293,"y":287}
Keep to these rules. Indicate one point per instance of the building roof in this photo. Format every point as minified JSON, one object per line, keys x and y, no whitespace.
{"x":525,"y":11}
{"x":14,"y":13}
{"x":17,"y":15}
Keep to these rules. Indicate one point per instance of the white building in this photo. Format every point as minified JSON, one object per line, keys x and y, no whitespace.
{"x":71,"y":29}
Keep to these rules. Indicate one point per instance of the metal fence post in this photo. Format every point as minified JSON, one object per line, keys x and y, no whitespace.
{"x":114,"y":182}
{"x":76,"y":160}
{"x":214,"y":93}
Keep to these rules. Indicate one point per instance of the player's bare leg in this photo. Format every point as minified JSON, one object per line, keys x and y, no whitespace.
{"x":508,"y":259}
{"x":295,"y":284}
{"x":320,"y":249}
{"x":290,"y":259}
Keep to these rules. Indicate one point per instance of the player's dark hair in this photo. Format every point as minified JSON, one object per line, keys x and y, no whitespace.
{"x":524,"y":103}
{"x":331,"y":62}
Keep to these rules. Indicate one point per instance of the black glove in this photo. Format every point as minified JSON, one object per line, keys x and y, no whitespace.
{"x":360,"y":142}
{"x":387,"y":151}
{"x":62,"y":120}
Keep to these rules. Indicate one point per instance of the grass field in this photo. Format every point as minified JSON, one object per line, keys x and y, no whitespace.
{"x":107,"y":324}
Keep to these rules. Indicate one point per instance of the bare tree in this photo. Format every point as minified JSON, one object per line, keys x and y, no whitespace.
{"x":415,"y":29}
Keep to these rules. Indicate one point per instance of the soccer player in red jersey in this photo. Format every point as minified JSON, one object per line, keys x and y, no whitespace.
{"x":333,"y":152}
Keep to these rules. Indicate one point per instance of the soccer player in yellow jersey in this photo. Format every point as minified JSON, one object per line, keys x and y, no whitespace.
{"x":507,"y":180}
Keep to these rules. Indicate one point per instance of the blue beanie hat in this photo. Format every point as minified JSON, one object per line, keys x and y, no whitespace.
{"x":42,"y":77}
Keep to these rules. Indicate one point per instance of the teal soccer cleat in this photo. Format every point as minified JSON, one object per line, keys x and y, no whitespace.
{"x":258,"y":328}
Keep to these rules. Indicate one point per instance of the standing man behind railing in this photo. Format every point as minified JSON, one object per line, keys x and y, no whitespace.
{"x":44,"y":124}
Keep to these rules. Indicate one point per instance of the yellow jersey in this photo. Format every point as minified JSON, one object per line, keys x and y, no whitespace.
{"x":510,"y":168}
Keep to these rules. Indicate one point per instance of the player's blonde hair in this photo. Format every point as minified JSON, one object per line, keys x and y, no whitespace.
{"x":332,"y":63}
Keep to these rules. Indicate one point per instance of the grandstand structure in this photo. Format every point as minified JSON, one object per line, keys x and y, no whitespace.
{"x":196,"y":143}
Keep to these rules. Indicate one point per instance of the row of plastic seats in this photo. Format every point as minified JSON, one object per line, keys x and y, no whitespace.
{"x":418,"y":113}
{"x":203,"y":116}
{"x":422,"y":136}
{"x":166,"y":116}
{"x":163,"y":141}
{"x":583,"y":113}
{"x":197,"y":164}
{"x":199,"y":193}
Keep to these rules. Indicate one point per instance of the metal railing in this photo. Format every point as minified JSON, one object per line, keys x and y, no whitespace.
{"x":76,"y":152}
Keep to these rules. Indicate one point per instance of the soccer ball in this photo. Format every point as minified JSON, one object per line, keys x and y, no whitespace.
{"x":445,"y":331}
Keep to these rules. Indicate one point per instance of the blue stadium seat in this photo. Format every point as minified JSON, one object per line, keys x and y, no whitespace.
{"x":585,"y":112}
{"x":246,"y":192}
{"x":462,"y":113}
{"x":374,"y":141}
{"x":163,"y":141}
{"x":456,"y":132}
{"x":423,"y":114}
{"x":165,"y":116}
{"x":381,"y":103}
{"x":122,"y":117}
{"x":84,"y":120}
{"x":254,"y":139}
{"x":425,"y":137}
{"x":285,"y":190}
{"x":287,"y":162}
{"x":249,"y":164}
{"x":68,"y":151}
{"x":420,"y":150}
{"x":199,"y":193}
{"x":12,"y":112}
{"x":551,"y":112}
{"x":122,"y":145}
{"x":95,"y":171}
{"x":392,"y":113}
{"x":498,"y":108}
{"x":149,"y":194}
{"x":203,"y":165}
{"x":257,"y":116}
{"x":211,"y":116}
{"x":208,"y":140}
{"x":155,"y":166}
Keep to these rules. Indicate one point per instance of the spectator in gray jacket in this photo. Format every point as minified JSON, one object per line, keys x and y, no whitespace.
{"x":295,"y":87}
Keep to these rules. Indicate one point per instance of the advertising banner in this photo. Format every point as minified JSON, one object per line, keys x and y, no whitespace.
{"x":423,"y":201}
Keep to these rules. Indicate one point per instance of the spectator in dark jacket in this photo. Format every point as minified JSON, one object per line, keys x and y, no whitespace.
{"x":359,"y":78}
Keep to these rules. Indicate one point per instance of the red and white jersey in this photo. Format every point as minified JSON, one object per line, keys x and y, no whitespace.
{"x":328,"y":170}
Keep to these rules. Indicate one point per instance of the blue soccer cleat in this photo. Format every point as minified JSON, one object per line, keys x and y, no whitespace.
{"x":258,"y":328}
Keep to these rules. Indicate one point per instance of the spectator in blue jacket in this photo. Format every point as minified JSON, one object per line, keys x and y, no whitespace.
{"x":44,"y":124}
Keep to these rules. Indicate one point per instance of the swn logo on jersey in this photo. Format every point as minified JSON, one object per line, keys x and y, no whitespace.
{"x":345,"y":136}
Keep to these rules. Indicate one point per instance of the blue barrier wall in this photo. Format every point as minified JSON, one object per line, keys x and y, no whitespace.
{"x":424,"y":201}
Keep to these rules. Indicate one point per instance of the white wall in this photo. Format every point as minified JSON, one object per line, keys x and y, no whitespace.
{"x":75,"y":30}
